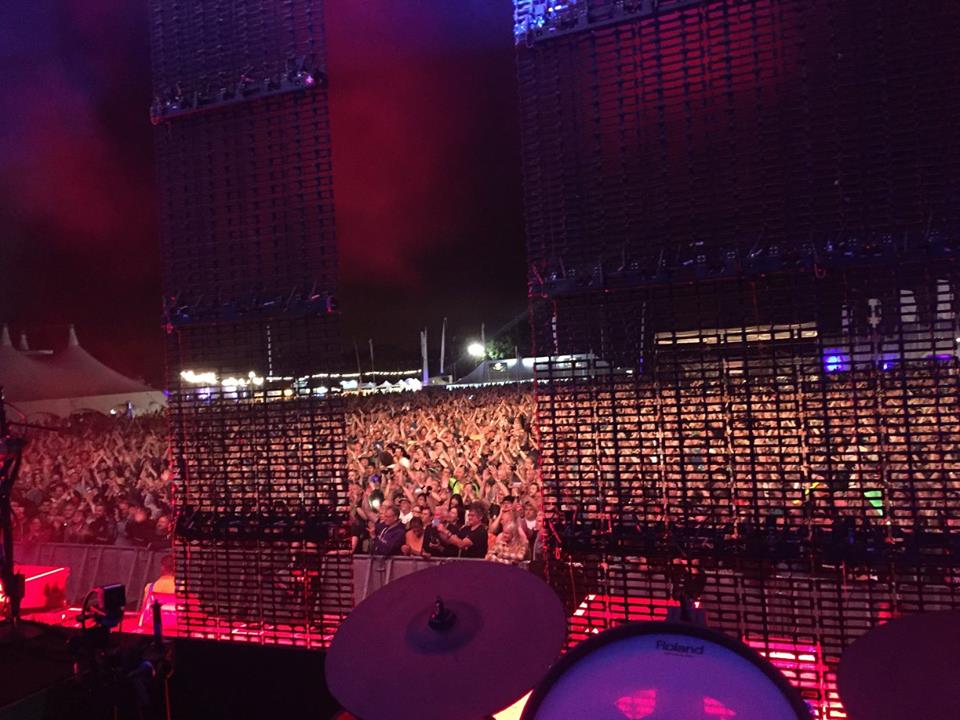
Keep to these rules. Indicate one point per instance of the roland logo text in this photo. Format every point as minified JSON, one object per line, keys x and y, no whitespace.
{"x":679,"y":648}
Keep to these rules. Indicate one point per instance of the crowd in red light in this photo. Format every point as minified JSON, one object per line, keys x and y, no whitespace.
{"x":103,"y":480}
{"x":798,"y":451}
{"x":95,"y":479}
{"x":450,"y":463}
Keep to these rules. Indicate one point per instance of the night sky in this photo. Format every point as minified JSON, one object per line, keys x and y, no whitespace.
{"x":426,"y":175}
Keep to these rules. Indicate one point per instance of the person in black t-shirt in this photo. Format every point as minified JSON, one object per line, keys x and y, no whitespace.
{"x":471,"y":539}
{"x":141,"y":529}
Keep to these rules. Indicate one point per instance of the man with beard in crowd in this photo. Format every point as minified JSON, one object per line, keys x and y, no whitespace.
{"x":103,"y":530}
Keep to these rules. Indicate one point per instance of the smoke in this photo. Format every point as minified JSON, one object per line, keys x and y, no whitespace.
{"x":67,"y":166}
{"x":426,"y":157}
{"x":425,"y":154}
{"x":77,"y":198}
{"x":411,"y":100}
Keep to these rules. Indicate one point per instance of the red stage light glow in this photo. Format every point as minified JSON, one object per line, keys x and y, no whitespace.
{"x":639,"y":705}
{"x":712,"y":706}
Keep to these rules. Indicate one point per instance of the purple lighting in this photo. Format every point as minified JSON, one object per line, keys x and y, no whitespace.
{"x":835,"y":361}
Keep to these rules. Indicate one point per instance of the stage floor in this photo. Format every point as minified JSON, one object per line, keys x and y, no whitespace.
{"x":67,"y":618}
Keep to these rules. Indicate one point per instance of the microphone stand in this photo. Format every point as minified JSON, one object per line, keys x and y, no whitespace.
{"x":11,"y":453}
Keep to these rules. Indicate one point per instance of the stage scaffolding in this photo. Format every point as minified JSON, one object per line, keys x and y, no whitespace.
{"x":243,"y":154}
{"x":742,"y":228}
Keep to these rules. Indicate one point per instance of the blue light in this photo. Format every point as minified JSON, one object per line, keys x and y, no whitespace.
{"x":531,"y":15}
{"x":835,"y":361}
{"x":888,"y":361}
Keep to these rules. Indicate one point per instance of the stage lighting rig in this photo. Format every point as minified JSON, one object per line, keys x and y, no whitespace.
{"x":249,"y":83}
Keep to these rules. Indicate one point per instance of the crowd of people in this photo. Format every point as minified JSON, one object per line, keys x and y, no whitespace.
{"x":427,"y":457}
{"x":458,"y":473}
{"x":797,"y":452}
{"x":95,"y":479}
{"x":456,"y":470}
{"x":793,"y":449}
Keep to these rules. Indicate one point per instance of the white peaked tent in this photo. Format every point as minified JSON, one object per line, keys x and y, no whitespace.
{"x":71,"y":381}
{"x":19,"y":374}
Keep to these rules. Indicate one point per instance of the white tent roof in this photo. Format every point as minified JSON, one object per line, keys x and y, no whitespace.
{"x":73,"y":372}
{"x":144,"y":402}
{"x":69,"y":381}
{"x":20,"y":375}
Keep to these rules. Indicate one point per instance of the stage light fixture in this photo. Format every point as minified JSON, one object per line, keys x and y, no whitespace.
{"x":104,"y":606}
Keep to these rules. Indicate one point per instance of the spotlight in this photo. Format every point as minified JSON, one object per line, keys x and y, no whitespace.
{"x":376,"y":498}
{"x":476,"y":350}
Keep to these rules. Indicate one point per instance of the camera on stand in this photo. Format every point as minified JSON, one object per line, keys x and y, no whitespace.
{"x":118,"y":676}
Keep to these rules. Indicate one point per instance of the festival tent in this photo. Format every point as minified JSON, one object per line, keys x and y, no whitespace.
{"x":511,"y":370}
{"x":72,"y":381}
{"x":28,"y":351}
{"x":412,"y":384}
{"x":516,"y":370}
{"x":19,"y":374}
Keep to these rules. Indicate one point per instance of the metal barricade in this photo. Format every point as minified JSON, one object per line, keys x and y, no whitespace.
{"x":93,"y":565}
{"x":372,"y":572}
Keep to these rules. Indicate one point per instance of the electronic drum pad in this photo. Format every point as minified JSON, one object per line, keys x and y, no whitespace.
{"x":664,"y":671}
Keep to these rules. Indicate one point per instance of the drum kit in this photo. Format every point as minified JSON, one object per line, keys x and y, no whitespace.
{"x":465,"y":640}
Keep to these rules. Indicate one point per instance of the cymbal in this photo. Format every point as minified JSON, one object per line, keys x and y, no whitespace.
{"x":903,"y":669}
{"x":495,"y":636}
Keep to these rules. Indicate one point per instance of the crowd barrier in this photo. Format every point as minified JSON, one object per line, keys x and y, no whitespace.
{"x":370,"y":572}
{"x":93,"y":565}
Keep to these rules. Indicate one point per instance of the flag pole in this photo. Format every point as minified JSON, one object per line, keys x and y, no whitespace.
{"x":443,"y":345}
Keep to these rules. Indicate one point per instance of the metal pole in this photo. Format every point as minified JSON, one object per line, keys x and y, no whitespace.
{"x":356,"y":351}
{"x":423,"y":356}
{"x":483,"y":358}
{"x":443,"y":345}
